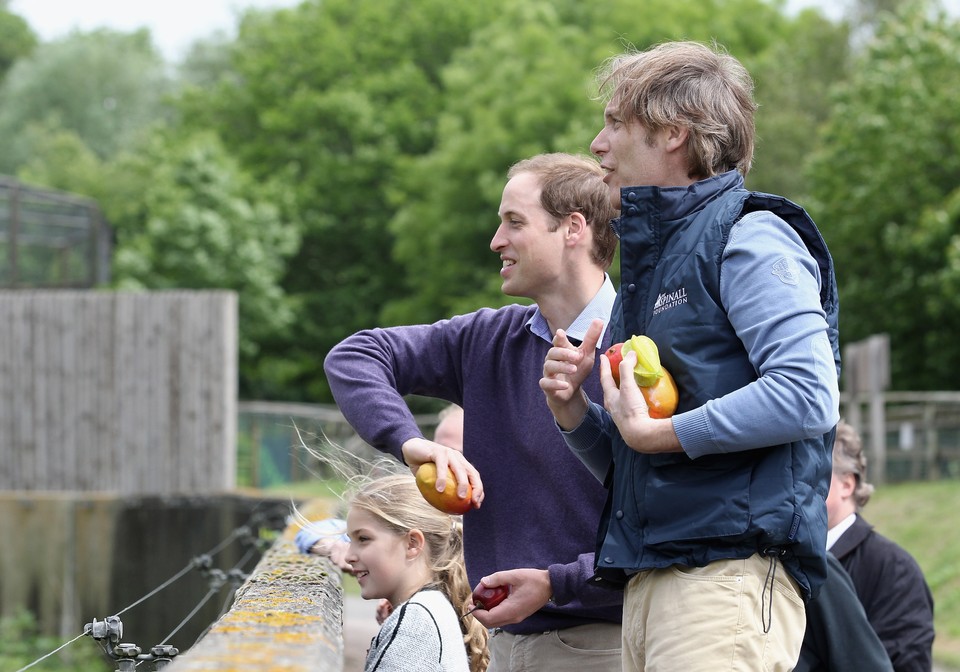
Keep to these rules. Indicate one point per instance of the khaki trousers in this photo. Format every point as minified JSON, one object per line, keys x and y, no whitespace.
{"x":578,"y":649}
{"x":716,"y":618}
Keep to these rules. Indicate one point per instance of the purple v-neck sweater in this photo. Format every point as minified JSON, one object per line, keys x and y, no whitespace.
{"x":542,"y":506}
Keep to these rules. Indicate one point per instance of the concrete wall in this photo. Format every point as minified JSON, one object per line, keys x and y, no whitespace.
{"x":70,"y":558}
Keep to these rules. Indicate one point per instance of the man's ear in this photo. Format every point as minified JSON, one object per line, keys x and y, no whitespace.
{"x":415,"y":544}
{"x":576,"y":227}
{"x":848,"y":484}
{"x":675,"y":137}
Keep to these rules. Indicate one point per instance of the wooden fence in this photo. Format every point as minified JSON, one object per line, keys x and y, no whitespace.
{"x":118,"y":392}
{"x":908,"y":436}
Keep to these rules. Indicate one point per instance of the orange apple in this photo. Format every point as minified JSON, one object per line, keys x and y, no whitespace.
{"x":447,"y":500}
{"x":661,"y":397}
{"x":655,"y":382}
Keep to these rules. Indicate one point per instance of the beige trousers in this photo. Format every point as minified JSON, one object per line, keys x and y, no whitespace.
{"x":716,"y":618}
{"x":578,"y":649}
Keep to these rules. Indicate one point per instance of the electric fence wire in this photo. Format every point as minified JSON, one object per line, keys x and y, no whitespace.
{"x":42,"y":658}
{"x":203,"y":600}
{"x":228,"y":600}
{"x":243,"y":530}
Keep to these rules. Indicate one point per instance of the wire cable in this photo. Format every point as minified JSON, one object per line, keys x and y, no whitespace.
{"x":158,"y":588}
{"x":238,"y":532}
{"x":82,"y":634}
{"x":203,"y":601}
{"x":216,"y":549}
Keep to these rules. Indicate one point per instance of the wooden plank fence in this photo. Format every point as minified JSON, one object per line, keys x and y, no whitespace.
{"x":130,"y":392}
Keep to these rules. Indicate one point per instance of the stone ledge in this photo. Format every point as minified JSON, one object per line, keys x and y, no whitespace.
{"x":287,"y":617}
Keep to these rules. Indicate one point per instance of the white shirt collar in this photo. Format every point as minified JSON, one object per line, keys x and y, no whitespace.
{"x":835,"y":532}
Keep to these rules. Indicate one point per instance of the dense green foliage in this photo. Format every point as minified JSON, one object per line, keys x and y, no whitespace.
{"x":104,"y":86}
{"x":333,"y":96}
{"x":16,"y":38}
{"x":885,"y":186}
{"x":340,"y":163}
{"x":205,"y":223}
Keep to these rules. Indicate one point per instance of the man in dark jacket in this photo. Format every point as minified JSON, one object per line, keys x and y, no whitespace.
{"x":839,"y":637}
{"x":888,"y":581}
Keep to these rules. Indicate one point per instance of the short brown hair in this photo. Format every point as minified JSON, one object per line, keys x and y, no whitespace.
{"x":848,"y":458}
{"x":690,"y":85}
{"x":571,"y":183}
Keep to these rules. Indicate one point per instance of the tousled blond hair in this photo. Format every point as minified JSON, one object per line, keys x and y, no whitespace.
{"x":702,"y":89}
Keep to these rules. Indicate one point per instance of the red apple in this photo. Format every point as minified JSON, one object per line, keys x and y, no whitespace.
{"x":488,"y":598}
{"x":615,"y":354}
{"x":447,"y":500}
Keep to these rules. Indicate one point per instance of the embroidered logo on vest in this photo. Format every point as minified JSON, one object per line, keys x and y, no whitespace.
{"x":666,"y":301}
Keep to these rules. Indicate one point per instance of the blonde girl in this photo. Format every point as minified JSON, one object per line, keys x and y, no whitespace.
{"x":404,"y":550}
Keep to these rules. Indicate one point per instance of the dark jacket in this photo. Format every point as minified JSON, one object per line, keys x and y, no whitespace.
{"x":839,"y":637}
{"x":890,"y":584}
{"x":667,"y":509}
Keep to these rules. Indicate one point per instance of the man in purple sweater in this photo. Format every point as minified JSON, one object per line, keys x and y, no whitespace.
{"x":536,"y":528}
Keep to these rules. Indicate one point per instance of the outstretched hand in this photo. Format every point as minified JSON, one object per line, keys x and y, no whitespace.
{"x":565,"y":369}
{"x":418,"y":451}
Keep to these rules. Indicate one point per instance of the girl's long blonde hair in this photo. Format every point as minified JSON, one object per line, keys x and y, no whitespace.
{"x":396,"y":501}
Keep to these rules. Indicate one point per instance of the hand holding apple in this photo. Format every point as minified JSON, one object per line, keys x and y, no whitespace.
{"x":487,"y":598}
{"x":655,"y":382}
{"x":447,"y":500}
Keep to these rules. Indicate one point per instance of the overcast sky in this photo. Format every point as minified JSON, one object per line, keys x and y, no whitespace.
{"x":175,"y":24}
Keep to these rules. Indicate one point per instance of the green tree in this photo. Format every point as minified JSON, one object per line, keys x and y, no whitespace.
{"x":16,"y":38}
{"x":332,"y":96}
{"x":104,"y":86}
{"x":523,"y":85}
{"x":793,"y":82}
{"x":935,"y":245}
{"x":59,"y":159}
{"x":200,"y":222}
{"x":890,"y":153}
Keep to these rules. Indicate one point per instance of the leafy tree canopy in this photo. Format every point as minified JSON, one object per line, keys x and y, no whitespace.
{"x":104,"y":86}
{"x":16,"y":39}
{"x":203,"y":222}
{"x":889,"y":154}
{"x":331,"y":97}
